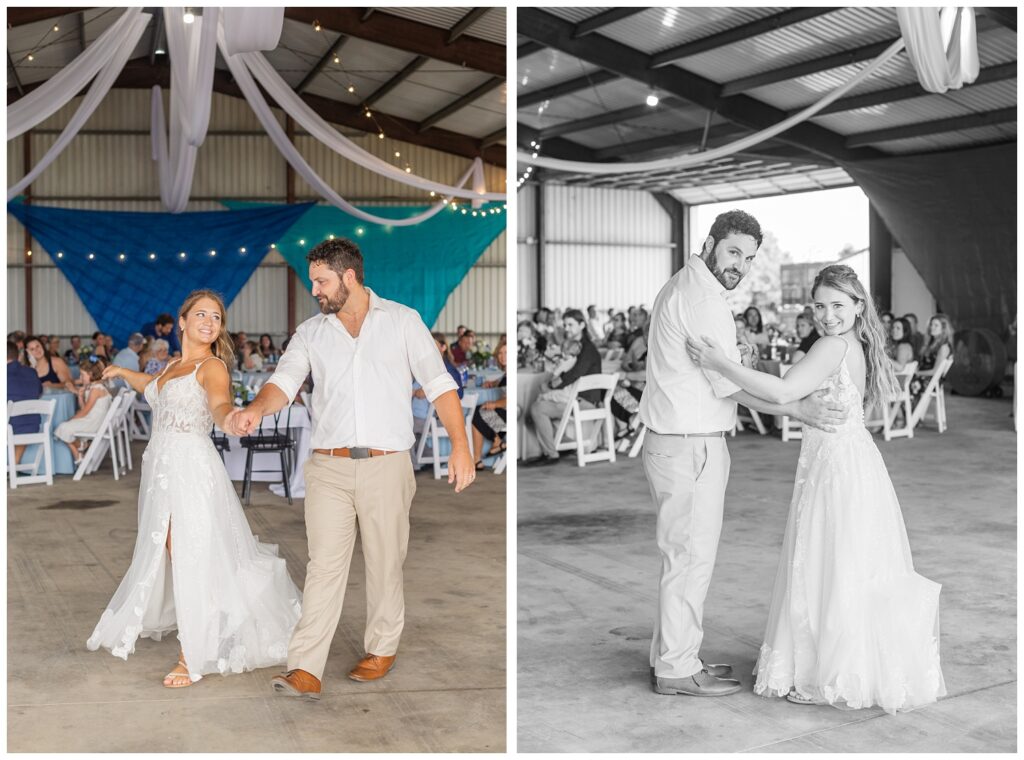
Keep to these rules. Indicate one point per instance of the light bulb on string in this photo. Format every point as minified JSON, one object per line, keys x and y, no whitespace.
{"x":381,"y":135}
{"x":189,"y":16}
{"x":28,"y":253}
{"x":56,"y":28}
{"x":351,"y":88}
{"x":121,"y":257}
{"x":242,"y":249}
{"x":302,"y":241}
{"x":652,"y":100}
{"x":31,"y":57}
{"x":213,"y":253}
{"x":152,"y":256}
{"x":337,"y":59}
{"x":316,"y":25}
{"x":273,"y":245}
{"x":398,"y":154}
{"x":330,"y":237}
{"x":181,"y":255}
{"x":91,"y":256}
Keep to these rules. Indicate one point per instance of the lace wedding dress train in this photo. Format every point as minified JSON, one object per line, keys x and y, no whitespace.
{"x":229,"y":596}
{"x":851,"y":623}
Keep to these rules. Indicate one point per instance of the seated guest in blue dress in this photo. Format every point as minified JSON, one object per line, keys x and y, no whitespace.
{"x":420,"y":405}
{"x":23,"y":384}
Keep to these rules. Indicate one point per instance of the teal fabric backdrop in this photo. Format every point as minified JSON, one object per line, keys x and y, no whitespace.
{"x":418,"y":266}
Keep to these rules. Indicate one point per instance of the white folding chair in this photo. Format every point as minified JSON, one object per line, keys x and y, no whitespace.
{"x":751,"y":416}
{"x":434,"y":431}
{"x":791,"y":431}
{"x":891,"y":409}
{"x":638,"y":441}
{"x":601,"y":414}
{"x":934,"y":390}
{"x":104,"y":439}
{"x":44,"y":456}
{"x":138,"y":425}
{"x":124,"y":423}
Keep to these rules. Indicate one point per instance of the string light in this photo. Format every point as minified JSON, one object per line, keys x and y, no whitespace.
{"x":121,"y":256}
{"x":463,"y":211}
{"x":273,"y":245}
{"x":316,"y":25}
{"x":60,"y":254}
{"x":652,"y":101}
{"x":213,"y":253}
{"x":31,"y":57}
{"x":92,"y":256}
{"x":152,"y":256}
{"x":360,"y":230}
{"x":381,"y":135}
{"x":432,"y":194}
{"x":398,"y":154}
{"x":337,"y":59}
{"x":302,"y":242}
{"x":351,"y":88}
{"x":330,"y":237}
{"x":28,"y":253}
{"x":56,"y":28}
{"x":189,"y":16}
{"x":242,"y":249}
{"x":181,"y":255}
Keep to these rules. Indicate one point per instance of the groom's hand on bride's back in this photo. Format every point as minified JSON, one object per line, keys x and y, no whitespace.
{"x":817,"y":411}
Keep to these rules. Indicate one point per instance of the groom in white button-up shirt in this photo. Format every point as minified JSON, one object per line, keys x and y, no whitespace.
{"x":363,"y":352}
{"x":688,"y":412}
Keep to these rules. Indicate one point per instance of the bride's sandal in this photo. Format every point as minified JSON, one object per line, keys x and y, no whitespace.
{"x":799,"y":699}
{"x":176,"y":674}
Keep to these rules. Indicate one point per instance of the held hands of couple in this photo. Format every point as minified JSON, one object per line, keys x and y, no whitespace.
{"x":241,"y":421}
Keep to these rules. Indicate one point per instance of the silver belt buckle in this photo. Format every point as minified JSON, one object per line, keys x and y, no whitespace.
{"x":361,"y":452}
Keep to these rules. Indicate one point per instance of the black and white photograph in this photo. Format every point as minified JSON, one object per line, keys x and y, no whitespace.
{"x":256,"y":340}
{"x":766,"y":387}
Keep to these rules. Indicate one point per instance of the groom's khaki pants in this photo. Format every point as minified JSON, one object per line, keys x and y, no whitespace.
{"x":687,"y":477}
{"x":340,"y":492}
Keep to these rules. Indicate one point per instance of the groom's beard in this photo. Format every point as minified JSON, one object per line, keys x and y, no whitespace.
{"x":334,"y":305}
{"x":723,"y":275}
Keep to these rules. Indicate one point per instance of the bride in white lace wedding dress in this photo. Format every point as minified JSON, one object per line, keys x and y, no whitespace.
{"x":229,"y":597}
{"x":851,"y":623}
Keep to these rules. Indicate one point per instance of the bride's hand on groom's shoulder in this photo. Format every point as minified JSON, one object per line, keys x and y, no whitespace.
{"x":706,"y":353}
{"x":818,"y":411}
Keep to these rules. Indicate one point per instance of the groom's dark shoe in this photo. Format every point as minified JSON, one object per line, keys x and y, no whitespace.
{"x":372,"y":667}
{"x":297,"y":683}
{"x":701,"y":684}
{"x":718,"y":671}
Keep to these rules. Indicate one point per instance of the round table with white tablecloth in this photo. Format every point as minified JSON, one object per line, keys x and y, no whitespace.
{"x":529,"y":386}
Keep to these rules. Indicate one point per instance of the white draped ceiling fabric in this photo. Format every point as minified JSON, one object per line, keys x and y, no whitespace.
{"x":111,"y":54}
{"x":241,"y":33}
{"x":942,"y":44}
{"x":944,"y":54}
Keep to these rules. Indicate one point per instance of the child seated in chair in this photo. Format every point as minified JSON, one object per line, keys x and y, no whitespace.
{"x":570,"y":351}
{"x":93,"y":401}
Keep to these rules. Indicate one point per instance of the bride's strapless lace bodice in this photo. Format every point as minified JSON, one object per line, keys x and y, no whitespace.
{"x":180,"y":406}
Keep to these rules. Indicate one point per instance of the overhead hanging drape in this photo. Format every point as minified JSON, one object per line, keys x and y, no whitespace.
{"x":97,"y":91}
{"x":193,"y":49}
{"x":247,"y":30}
{"x":418,"y":266}
{"x":56,"y":92}
{"x":153,"y":277}
{"x":687,"y":160}
{"x":942,"y":44}
{"x":954,"y":213}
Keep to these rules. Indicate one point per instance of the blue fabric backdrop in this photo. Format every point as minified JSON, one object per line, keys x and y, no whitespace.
{"x":418,"y":266}
{"x":123,"y":295}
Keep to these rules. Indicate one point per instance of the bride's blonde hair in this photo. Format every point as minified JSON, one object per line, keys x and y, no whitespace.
{"x":223,"y":347}
{"x":880,"y":383}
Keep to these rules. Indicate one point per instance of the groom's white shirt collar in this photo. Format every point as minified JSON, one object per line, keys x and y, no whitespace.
{"x":704,"y":275}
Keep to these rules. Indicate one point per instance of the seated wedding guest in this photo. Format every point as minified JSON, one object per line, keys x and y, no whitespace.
{"x":420,"y":405}
{"x":502,"y":341}
{"x":54,"y":345}
{"x":626,"y":397}
{"x":901,"y":350}
{"x":638,"y":321}
{"x":93,"y":402}
{"x":938,"y":348}
{"x":530,"y":343}
{"x":160,"y":355}
{"x":164,"y":327}
{"x":755,"y":327}
{"x":555,"y":323}
{"x":569,"y":353}
{"x":461,"y":351}
{"x":99,"y":345}
{"x":52,"y":370}
{"x":917,"y":340}
{"x":459,"y":330}
{"x":129,"y":356}
{"x":23,"y":384}
{"x":268,"y":350}
{"x":490,"y":418}
{"x":251,"y":360}
{"x":595,"y":324}
{"x":545,"y":414}
{"x":72,"y":354}
{"x":109,"y":341}
{"x":619,"y":333}
{"x":540,"y":320}
{"x":808,"y":333}
{"x":887,"y":318}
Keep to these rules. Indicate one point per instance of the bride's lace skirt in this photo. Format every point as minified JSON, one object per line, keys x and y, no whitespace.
{"x":229,"y":596}
{"x":851,"y":623}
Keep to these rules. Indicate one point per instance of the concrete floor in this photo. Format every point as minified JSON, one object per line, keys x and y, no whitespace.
{"x":587,"y":580}
{"x":69,"y":544}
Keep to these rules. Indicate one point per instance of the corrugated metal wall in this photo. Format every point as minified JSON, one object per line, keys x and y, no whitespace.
{"x":117,"y":173}
{"x":601,"y":246}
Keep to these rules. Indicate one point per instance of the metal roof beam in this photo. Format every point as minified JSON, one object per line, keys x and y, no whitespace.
{"x":565,"y":88}
{"x":81,"y":29}
{"x":610,"y":16}
{"x":738,"y":34}
{"x":806,"y":68}
{"x":634,"y":64}
{"x":322,"y":63}
{"x":158,"y":29}
{"x":1004,"y":16}
{"x":493,"y":138}
{"x":935,"y":127}
{"x":464,"y":23}
{"x":906,"y":92}
{"x":559,"y":146}
{"x":409,"y":69}
{"x":457,"y":105}
{"x":679,"y":140}
{"x":411,"y":36}
{"x":14,"y":74}
{"x":528,"y":48}
{"x":22,"y":16}
{"x":611,"y":117}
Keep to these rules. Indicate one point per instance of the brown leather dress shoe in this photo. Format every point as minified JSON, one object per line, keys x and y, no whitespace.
{"x":372,"y":667}
{"x":297,"y":683}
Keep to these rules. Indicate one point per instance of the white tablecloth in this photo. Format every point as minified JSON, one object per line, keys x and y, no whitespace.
{"x":299,"y":424}
{"x":529,"y":386}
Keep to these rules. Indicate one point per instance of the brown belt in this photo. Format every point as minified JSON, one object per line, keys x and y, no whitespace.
{"x":354,"y":453}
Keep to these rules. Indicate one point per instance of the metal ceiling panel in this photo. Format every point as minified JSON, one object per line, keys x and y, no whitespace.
{"x":549,"y":67}
{"x":490,"y":27}
{"x":431,"y":88}
{"x":844,"y":29}
{"x":967,"y":138}
{"x":658,"y":29}
{"x":475,"y":121}
{"x":363,"y":64}
{"x":575,"y":15}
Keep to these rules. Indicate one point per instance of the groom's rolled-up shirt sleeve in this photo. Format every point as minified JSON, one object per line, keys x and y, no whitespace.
{"x":713,"y":318}
{"x":293,"y":367}
{"x":425,"y":360}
